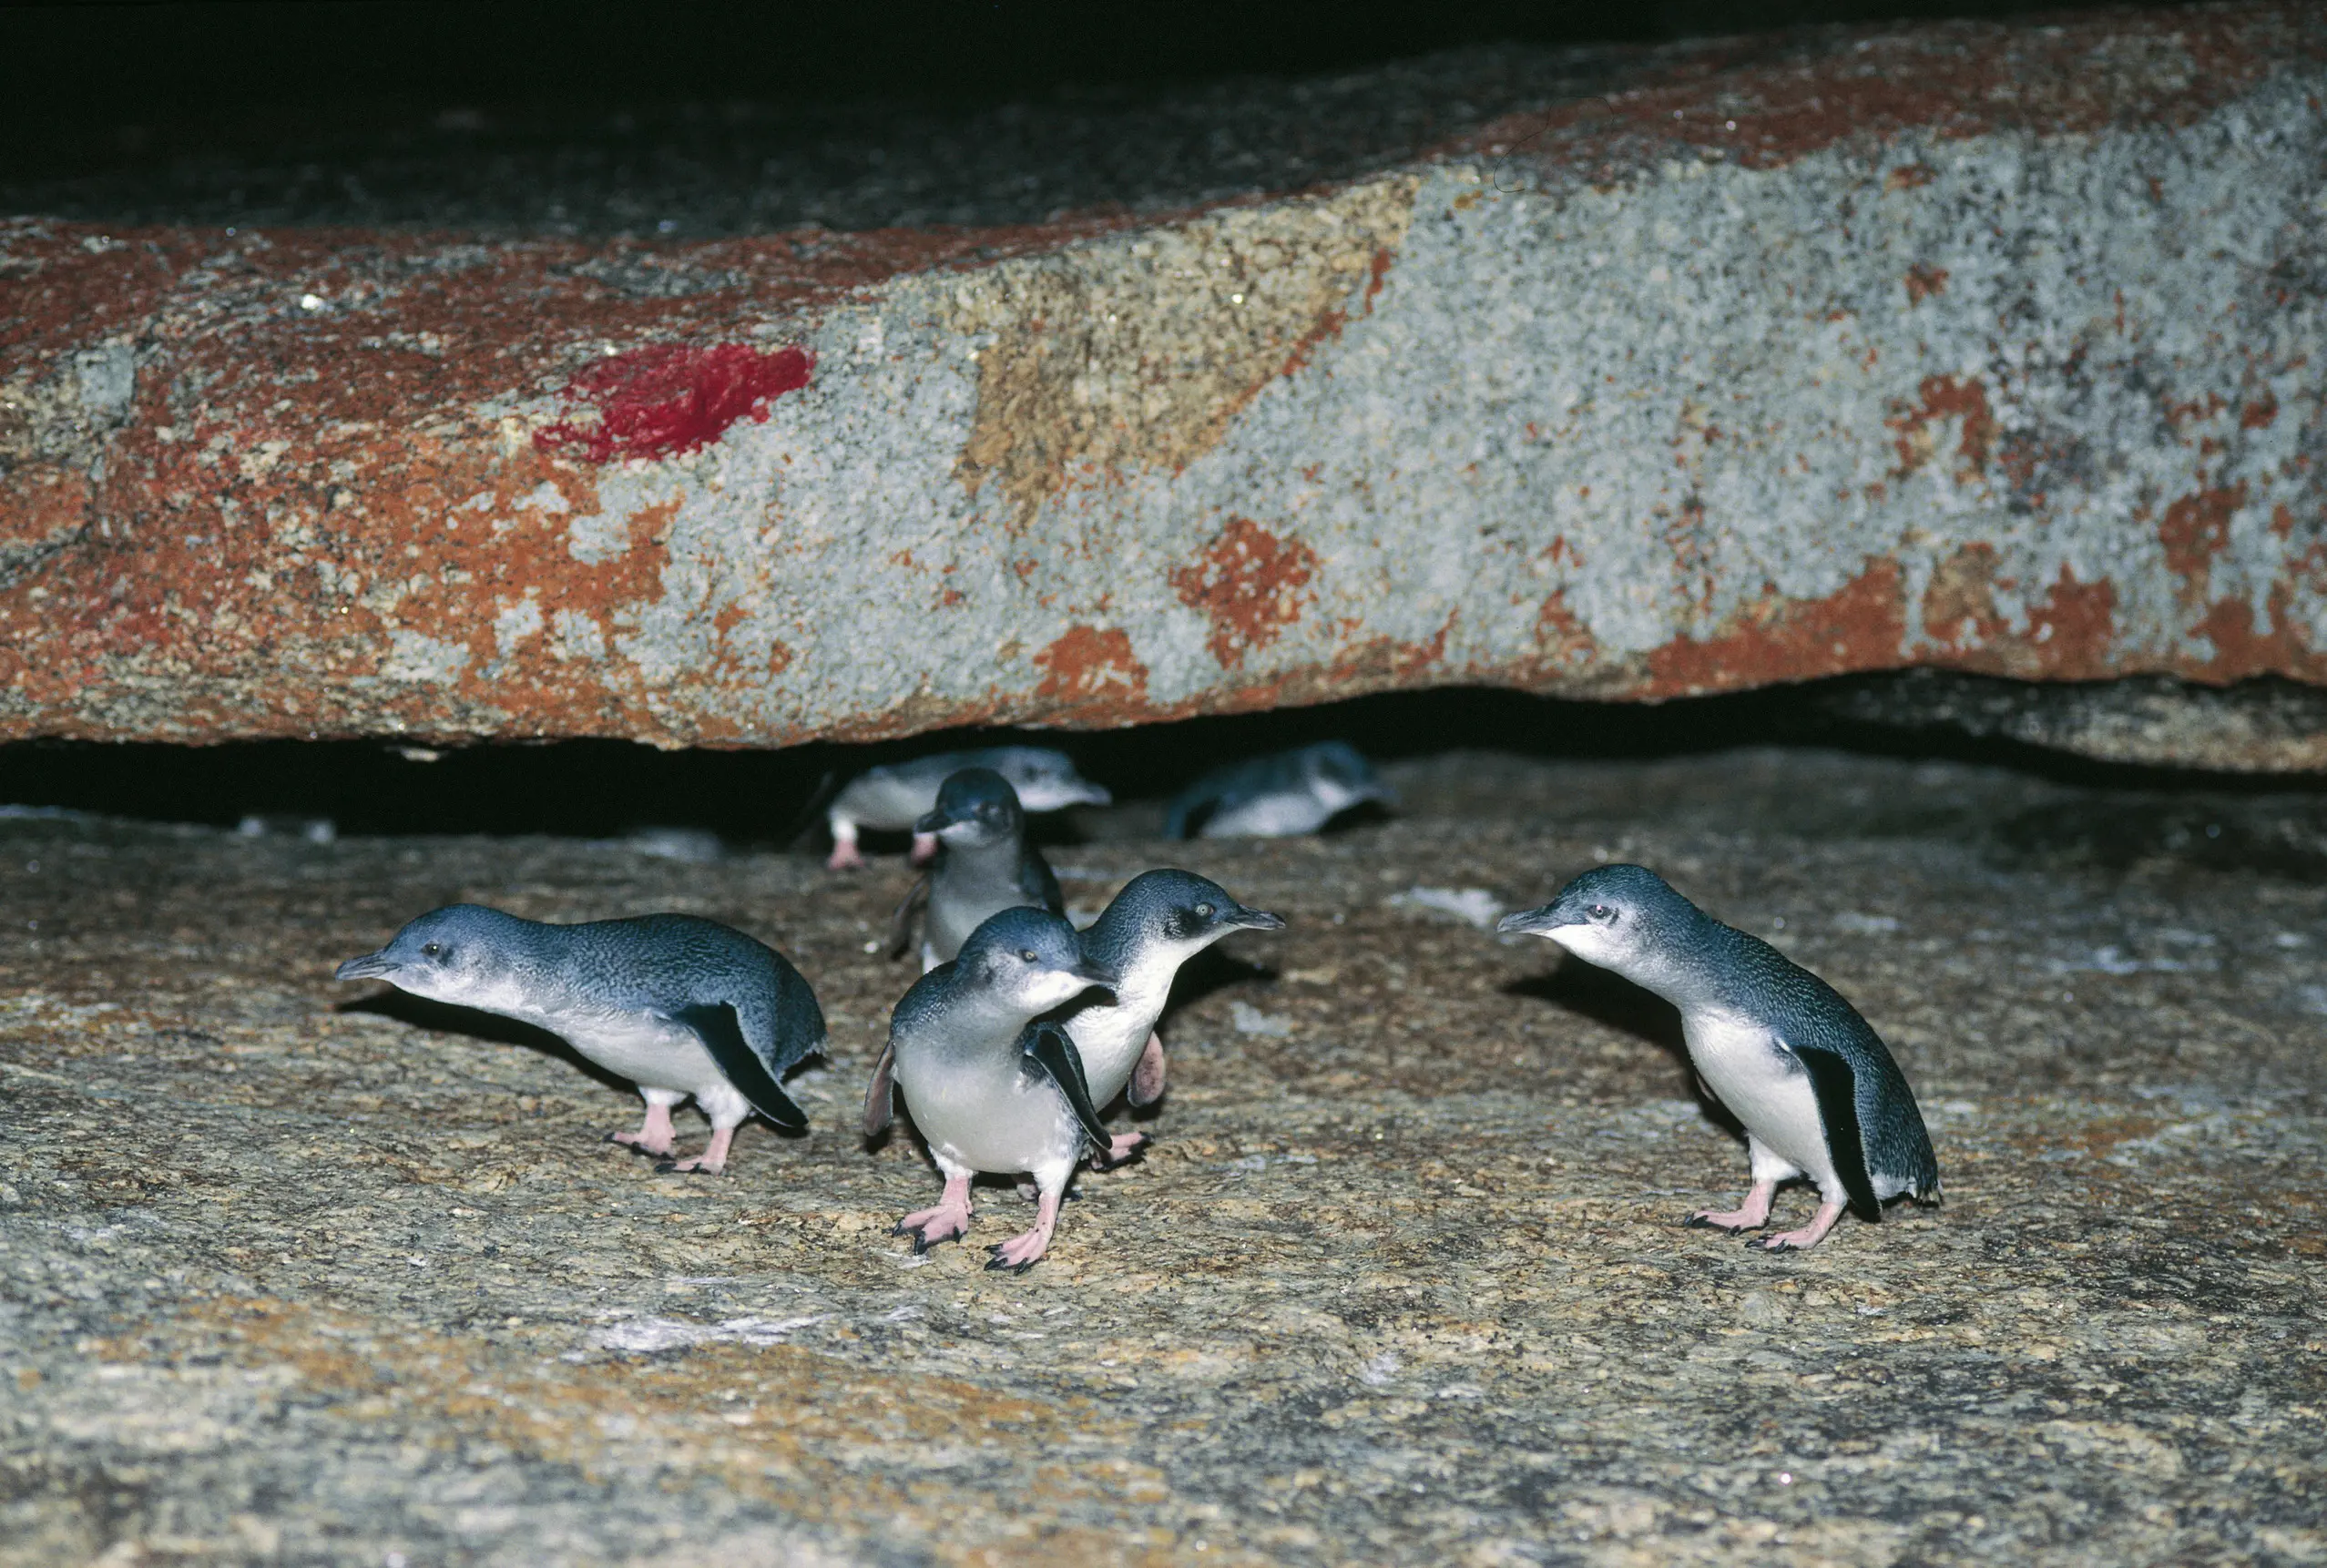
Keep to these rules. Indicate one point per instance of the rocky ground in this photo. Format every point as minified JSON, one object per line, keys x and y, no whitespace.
{"x":292,"y":1273}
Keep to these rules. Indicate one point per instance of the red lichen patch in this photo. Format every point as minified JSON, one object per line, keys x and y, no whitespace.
{"x":1923,"y":283}
{"x":1908,"y":175}
{"x":1959,"y":603}
{"x":666,"y":400}
{"x":1251,"y":584}
{"x":2197,"y":528}
{"x":1091,"y":675}
{"x":1943,"y":398}
{"x":2259,"y":414}
{"x":1860,"y":625}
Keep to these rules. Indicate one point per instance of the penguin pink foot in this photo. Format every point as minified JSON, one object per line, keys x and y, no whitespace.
{"x":947,"y":1222}
{"x":924,"y":849}
{"x":1121,"y":1151}
{"x":844,"y":856}
{"x":1751,"y":1215}
{"x":710,"y":1162}
{"x":1022,"y":1252}
{"x":657,"y":1137}
{"x":1808,"y":1237}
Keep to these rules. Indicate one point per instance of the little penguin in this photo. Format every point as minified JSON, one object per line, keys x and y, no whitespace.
{"x":894,"y":796}
{"x":1278,"y":796}
{"x":1159,"y":921}
{"x":1813,"y":1084}
{"x":984,"y":865}
{"x":993,"y":1085}
{"x":678,"y":1004}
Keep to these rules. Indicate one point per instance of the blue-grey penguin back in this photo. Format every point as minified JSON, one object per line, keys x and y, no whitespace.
{"x":664,"y":961}
{"x":1810,"y":1016}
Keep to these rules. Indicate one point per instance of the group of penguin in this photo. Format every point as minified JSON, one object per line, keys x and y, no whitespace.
{"x":1022,"y":1029}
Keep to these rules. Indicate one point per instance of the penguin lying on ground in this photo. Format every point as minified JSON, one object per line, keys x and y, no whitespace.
{"x":990,"y":1089}
{"x":1159,"y":921}
{"x":892,"y":798}
{"x":984,"y":865}
{"x":1277,"y":796}
{"x":677,"y":1004}
{"x":1813,"y":1084}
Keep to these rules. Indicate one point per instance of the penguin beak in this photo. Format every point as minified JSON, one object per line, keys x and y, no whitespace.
{"x":1255,"y":919}
{"x":370,"y":966}
{"x":1095,"y":795}
{"x":1090,"y":974}
{"x":1534,"y":923}
{"x":933,"y":822}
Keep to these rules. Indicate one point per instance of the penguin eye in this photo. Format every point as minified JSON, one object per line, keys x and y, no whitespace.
{"x":1203,"y":911}
{"x":1028,"y":954}
{"x":1600,"y":912}
{"x":431,"y":949}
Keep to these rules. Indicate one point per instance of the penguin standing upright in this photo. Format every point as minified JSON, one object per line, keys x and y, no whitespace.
{"x":1813,"y":1084}
{"x":990,"y":1088}
{"x":1159,"y":921}
{"x":984,"y":865}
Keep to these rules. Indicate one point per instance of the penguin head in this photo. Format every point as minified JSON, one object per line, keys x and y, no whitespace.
{"x":1341,"y":776}
{"x":452,"y":954}
{"x":1623,"y":918}
{"x":975,"y":807}
{"x":1179,"y":911}
{"x":1031,"y":960}
{"x":1047,"y":781}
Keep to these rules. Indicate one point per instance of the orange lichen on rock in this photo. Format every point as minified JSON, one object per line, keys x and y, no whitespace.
{"x":1943,"y":398}
{"x":1091,"y":675}
{"x":1860,"y":625}
{"x":1251,"y":583}
{"x":2197,"y":528}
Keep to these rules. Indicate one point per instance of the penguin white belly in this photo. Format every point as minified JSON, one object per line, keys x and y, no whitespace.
{"x":650,"y":1053}
{"x":991,"y":1118}
{"x":1109,"y":1038}
{"x":1763,"y":1088}
{"x":1282,"y":816}
{"x":880,"y":801}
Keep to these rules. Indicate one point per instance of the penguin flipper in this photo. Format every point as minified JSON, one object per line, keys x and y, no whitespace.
{"x":716,"y":1025}
{"x":880,"y":1094}
{"x":1836,"y":1086}
{"x":1040,"y":883}
{"x":901,"y":925}
{"x":1047,"y":1045}
{"x":1146,"y":1084}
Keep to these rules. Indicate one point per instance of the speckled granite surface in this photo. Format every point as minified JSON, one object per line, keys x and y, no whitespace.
{"x":288,"y":1277}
